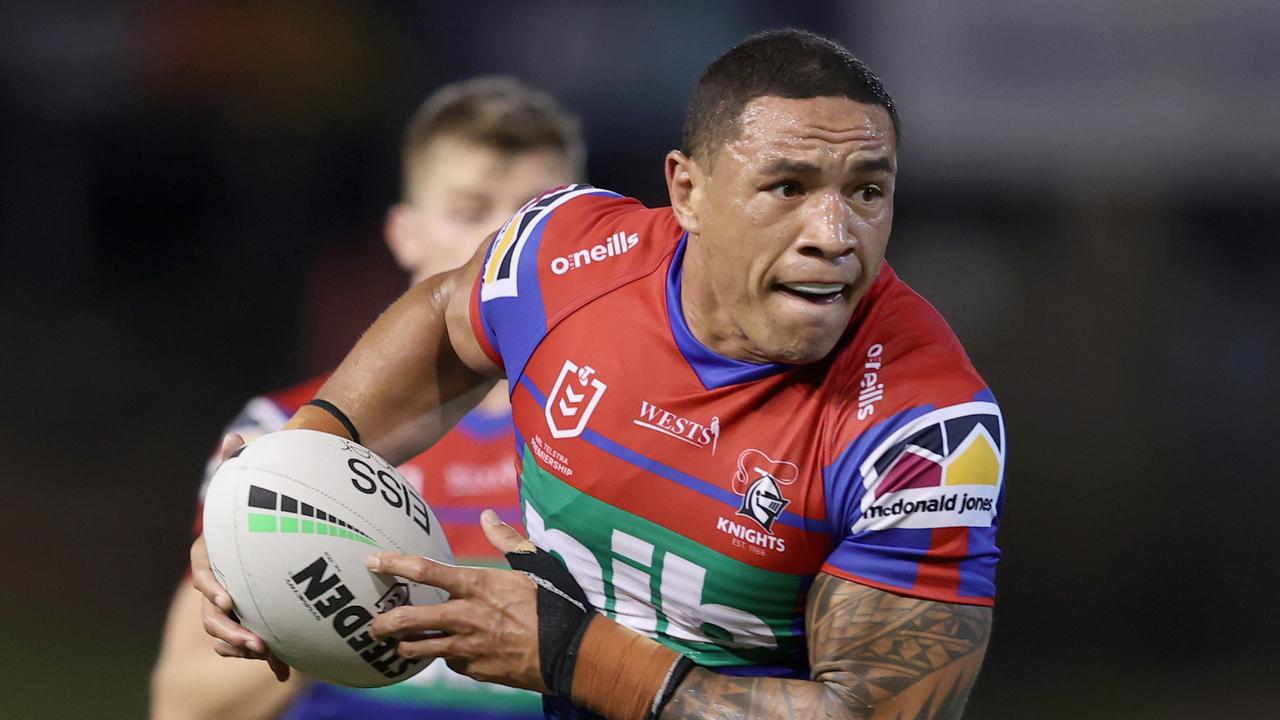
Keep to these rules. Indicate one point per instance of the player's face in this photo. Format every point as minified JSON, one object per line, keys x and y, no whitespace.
{"x":792,"y":223}
{"x":460,"y":192}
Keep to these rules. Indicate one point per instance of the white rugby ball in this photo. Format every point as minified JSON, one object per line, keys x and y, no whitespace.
{"x":289,"y":521}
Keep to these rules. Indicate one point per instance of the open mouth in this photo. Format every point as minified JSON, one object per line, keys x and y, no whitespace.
{"x":816,"y":293}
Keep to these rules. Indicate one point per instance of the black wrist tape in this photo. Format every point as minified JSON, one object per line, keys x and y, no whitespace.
{"x":563,"y":616}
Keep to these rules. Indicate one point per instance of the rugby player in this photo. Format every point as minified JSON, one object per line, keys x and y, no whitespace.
{"x":770,"y":469}
{"x":474,"y":152}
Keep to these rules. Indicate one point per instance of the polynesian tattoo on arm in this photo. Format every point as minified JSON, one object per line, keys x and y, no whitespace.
{"x":872,"y":654}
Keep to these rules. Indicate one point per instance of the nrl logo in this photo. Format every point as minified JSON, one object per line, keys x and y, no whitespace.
{"x":759,"y":481}
{"x":572,"y":400}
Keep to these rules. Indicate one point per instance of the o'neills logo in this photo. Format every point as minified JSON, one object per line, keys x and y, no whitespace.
{"x":321,"y":589}
{"x":617,"y":244}
{"x":759,"y":481}
{"x":870,"y":389}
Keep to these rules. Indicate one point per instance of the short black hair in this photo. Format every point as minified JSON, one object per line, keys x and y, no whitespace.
{"x":785,"y":63}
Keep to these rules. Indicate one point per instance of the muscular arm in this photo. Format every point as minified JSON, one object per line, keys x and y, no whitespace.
{"x":418,"y":367}
{"x":873,"y":655}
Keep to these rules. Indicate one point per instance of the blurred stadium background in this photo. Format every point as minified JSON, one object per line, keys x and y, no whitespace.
{"x":191,"y":199}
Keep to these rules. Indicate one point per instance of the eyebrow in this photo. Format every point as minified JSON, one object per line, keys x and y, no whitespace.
{"x":785,"y":166}
{"x":880,"y":164}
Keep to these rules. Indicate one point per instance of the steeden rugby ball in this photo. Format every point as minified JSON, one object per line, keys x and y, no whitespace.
{"x":289,"y":521}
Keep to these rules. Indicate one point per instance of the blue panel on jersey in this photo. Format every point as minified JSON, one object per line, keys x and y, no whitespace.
{"x":665,"y":471}
{"x":713,"y":369}
{"x":515,"y":325}
{"x":891,"y":557}
{"x":842,"y":480}
{"x":484,"y":426}
{"x":977,"y":573}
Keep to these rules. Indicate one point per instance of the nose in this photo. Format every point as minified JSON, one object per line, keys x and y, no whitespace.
{"x":828,"y":228}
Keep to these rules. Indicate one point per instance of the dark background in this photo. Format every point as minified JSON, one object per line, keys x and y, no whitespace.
{"x":191,"y":198}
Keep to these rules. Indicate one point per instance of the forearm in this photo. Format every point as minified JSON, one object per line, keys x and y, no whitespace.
{"x":877,"y":689}
{"x":403,"y":385}
{"x":872,"y":654}
{"x":706,"y":694}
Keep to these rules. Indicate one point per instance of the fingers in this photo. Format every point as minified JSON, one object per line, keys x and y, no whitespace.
{"x":502,"y":536}
{"x":419,"y":621}
{"x":203,"y":580}
{"x":442,"y":646}
{"x":450,"y":578}
{"x":230,"y":638}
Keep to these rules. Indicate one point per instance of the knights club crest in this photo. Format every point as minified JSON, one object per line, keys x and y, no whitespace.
{"x":572,"y":400}
{"x":759,"y":480}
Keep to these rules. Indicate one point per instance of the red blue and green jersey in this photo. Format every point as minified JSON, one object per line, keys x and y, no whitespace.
{"x":466,"y":471}
{"x":694,"y":496}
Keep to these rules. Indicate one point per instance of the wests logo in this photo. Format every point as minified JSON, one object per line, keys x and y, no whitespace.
{"x":681,"y":428}
{"x":759,"y":480}
{"x":572,"y":400}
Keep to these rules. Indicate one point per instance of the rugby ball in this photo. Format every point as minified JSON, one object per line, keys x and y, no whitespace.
{"x":288,"y":521}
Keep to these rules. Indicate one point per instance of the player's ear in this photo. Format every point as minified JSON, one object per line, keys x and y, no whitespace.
{"x":684,"y":186}
{"x":398,"y":232}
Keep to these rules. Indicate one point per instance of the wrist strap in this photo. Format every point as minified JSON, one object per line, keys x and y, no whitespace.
{"x":338,"y":415}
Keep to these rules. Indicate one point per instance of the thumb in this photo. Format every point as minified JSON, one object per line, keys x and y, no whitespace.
{"x":502,"y":536}
{"x":230,"y":443}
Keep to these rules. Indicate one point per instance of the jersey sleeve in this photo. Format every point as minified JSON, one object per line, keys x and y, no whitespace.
{"x":534,"y":261}
{"x":916,"y":499}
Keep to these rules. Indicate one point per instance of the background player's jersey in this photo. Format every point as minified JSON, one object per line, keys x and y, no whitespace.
{"x":694,"y":496}
{"x":468,"y":470}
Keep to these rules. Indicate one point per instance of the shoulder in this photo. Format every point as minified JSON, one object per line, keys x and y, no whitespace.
{"x":558,"y":253}
{"x":901,"y":353}
{"x":905,"y":388}
{"x":574,"y":236}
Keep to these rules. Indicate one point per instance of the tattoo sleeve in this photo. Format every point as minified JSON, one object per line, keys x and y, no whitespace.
{"x":872,"y":654}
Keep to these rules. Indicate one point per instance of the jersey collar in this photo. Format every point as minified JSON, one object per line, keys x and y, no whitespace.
{"x":713,"y":369}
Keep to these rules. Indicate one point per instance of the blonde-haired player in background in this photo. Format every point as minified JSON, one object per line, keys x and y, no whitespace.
{"x":473,"y":154}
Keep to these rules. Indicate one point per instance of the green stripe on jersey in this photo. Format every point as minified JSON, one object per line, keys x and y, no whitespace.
{"x":715,"y":609}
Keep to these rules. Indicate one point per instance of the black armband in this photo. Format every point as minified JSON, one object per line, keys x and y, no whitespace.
{"x":340,"y":416}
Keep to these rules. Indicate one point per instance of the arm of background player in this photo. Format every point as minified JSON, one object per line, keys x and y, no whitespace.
{"x":192,"y":683}
{"x":873,"y":654}
{"x":419,"y":360}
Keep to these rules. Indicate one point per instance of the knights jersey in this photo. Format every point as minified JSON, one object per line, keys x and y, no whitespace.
{"x":466,"y":471}
{"x":694,"y":496}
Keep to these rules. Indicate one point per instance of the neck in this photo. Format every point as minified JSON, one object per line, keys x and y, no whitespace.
{"x":705,"y":310}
